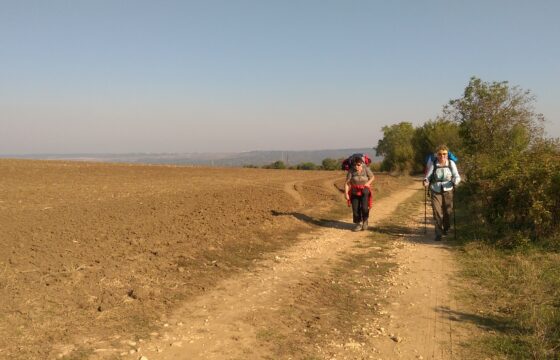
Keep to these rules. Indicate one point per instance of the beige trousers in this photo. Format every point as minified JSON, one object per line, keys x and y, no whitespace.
{"x":442,"y":205}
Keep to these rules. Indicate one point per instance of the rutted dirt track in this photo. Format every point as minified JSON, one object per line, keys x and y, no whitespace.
{"x":213,"y":325}
{"x":110,"y":261}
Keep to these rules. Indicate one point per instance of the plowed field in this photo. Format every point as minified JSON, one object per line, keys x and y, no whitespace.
{"x":92,"y":250}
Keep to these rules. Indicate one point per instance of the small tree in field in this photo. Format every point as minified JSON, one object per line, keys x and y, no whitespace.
{"x":306,"y":166}
{"x":276,"y":165}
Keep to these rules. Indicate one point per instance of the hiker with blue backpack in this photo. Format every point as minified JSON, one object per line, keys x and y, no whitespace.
{"x":442,"y":176}
{"x":357,"y":191}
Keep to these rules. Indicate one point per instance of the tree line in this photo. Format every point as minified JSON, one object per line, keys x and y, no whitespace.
{"x":511,"y":169}
{"x":328,"y":164}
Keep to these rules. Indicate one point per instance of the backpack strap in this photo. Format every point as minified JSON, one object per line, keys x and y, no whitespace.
{"x":437,"y":166}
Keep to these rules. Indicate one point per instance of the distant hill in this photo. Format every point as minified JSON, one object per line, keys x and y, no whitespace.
{"x":257,"y":158}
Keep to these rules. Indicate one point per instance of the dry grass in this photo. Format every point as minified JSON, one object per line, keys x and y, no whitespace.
{"x":513,"y":293}
{"x":516,"y":296}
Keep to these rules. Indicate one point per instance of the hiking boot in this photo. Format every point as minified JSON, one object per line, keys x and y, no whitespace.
{"x":358,"y":227}
{"x":438,"y":237}
{"x":365,"y":225}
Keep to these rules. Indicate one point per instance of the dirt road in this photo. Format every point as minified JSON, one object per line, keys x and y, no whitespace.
{"x":413,"y":321}
{"x":419,"y":316}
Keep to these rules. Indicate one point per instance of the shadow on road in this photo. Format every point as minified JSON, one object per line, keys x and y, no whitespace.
{"x":395,"y":230}
{"x":329,"y":223}
{"x":483,"y":322}
{"x":416,"y":235}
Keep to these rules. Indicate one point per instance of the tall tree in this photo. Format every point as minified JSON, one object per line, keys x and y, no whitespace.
{"x":434,"y":133}
{"x":512,"y":170}
{"x":396,"y":147}
{"x":497,"y":122}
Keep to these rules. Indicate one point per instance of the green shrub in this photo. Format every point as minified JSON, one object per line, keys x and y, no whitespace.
{"x":331,"y":164}
{"x":276,"y":165}
{"x":306,"y":166}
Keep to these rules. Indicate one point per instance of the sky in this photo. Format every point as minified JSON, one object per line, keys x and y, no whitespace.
{"x":121,"y":76}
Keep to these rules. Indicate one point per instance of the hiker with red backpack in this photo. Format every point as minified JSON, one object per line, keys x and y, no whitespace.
{"x":442,"y":177}
{"x":357,"y":191}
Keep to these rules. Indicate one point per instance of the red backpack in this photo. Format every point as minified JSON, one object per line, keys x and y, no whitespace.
{"x":349,"y":162}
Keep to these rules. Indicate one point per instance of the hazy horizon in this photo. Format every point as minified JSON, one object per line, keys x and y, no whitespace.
{"x":237,"y":76}
{"x":255,"y":158}
{"x":371,"y":150}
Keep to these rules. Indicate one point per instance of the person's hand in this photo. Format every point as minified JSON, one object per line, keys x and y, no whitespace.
{"x":347,"y":197}
{"x":426,"y":183}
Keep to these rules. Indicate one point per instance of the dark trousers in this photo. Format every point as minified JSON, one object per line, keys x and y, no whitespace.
{"x":360,"y":206}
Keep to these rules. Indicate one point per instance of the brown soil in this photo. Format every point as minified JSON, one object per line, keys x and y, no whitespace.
{"x":102,"y":261}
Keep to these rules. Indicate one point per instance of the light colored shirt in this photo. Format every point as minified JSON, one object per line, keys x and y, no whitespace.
{"x":359,"y":177}
{"x":445,"y":176}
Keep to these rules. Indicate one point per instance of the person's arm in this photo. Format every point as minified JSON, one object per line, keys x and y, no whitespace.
{"x":370,"y":176}
{"x":429,"y":172}
{"x":347,"y":186}
{"x":456,"y":177}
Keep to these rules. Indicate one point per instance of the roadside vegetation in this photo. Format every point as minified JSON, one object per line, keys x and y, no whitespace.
{"x":514,"y":296}
{"x":508,"y":212}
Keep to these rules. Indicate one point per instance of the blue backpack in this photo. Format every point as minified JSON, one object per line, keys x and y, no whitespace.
{"x":432,"y":157}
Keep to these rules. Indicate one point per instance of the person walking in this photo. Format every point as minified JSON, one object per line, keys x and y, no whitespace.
{"x":357,"y":191}
{"x":442,"y":176}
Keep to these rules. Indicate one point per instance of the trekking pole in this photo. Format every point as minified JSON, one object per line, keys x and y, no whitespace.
{"x":425,"y":209}
{"x":454,"y":222}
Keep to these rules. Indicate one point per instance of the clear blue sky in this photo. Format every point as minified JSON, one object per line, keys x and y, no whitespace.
{"x":107,"y":76}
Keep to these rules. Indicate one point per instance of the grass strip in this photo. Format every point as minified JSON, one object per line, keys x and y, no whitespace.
{"x":513,"y":294}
